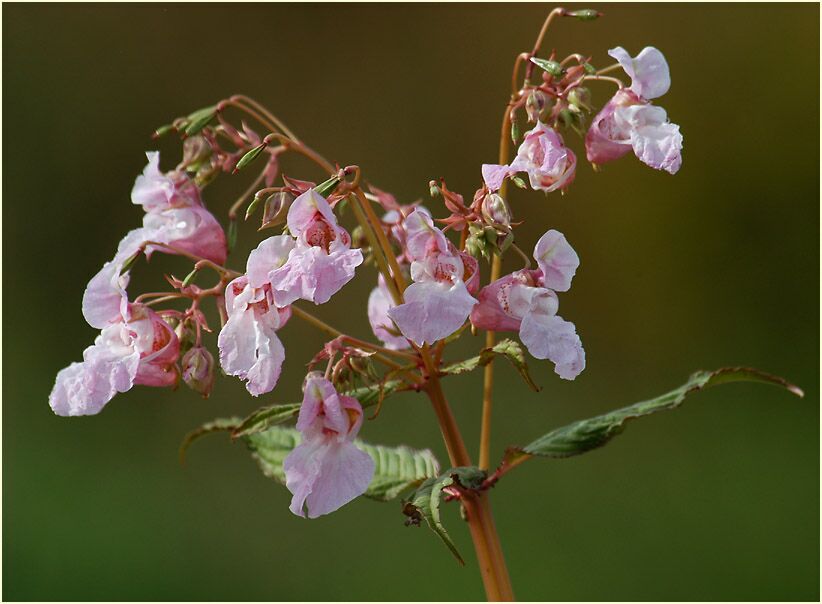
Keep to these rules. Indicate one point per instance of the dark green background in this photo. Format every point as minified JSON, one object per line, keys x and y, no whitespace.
{"x":715,"y":266}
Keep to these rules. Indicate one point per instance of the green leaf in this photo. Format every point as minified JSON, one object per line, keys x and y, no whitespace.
{"x":508,"y":348}
{"x":396,"y":469}
{"x":588,"y":434}
{"x":424,"y":503}
{"x":218,"y":425}
{"x":552,"y":67}
{"x":266,"y":417}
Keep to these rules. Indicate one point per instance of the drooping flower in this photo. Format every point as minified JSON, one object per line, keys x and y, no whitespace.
{"x":140,"y":348}
{"x":526,"y":301}
{"x":438,"y":302}
{"x":321,"y":261}
{"x":630,"y":122}
{"x":326,"y":470}
{"x":248,"y":342}
{"x":379,"y":303}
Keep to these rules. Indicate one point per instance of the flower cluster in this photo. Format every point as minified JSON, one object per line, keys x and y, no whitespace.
{"x":429,"y":288}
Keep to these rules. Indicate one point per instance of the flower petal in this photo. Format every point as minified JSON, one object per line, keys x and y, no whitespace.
{"x":649,"y":72}
{"x":551,"y":337}
{"x":557,"y":260}
{"x":432,"y":310}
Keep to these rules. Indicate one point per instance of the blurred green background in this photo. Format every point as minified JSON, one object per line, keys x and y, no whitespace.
{"x":715,"y":266}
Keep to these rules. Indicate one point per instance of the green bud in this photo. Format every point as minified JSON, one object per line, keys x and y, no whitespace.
{"x":589,"y":69}
{"x":186,"y":335}
{"x":163,"y":130}
{"x":130,"y":262}
{"x":433,"y":188}
{"x":517,"y":180}
{"x":250,"y":157}
{"x":196,"y":153}
{"x":275,"y":209}
{"x":514,"y":130}
{"x":200,"y":122}
{"x":552,"y":67}
{"x":325,"y":188}
{"x":189,"y":278}
{"x":359,"y":239}
{"x":252,"y":206}
{"x":586,"y":14}
{"x":506,"y":242}
{"x":580,"y":98}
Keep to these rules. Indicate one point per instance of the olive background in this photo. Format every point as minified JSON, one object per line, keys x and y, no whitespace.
{"x":716,"y":266}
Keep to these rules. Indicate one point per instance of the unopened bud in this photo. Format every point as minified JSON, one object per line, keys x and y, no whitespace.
{"x":186,"y":335}
{"x":536,"y":104}
{"x":589,"y":69}
{"x":433,"y":188}
{"x":551,"y":67}
{"x":196,"y":153}
{"x":250,"y":156}
{"x":275,"y":209}
{"x":189,"y":278}
{"x":163,"y":130}
{"x":514,"y":130}
{"x":586,"y":14}
{"x":199,"y":120}
{"x":517,"y":180}
{"x":325,"y":188}
{"x":198,"y":370}
{"x":359,"y":238}
{"x":580,"y":98}
{"x":495,"y":210}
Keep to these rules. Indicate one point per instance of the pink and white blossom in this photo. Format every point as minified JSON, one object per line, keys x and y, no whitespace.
{"x":629,"y":122}
{"x":326,"y":470}
{"x":248,"y":342}
{"x":526,"y":301}
{"x":140,"y":348}
{"x":438,"y":302}
{"x":321,"y":261}
{"x":543,"y":155}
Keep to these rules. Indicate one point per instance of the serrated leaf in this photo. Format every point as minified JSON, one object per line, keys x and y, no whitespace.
{"x":424,"y":503}
{"x":588,"y":434}
{"x":396,"y":469}
{"x":508,"y":348}
{"x":226,"y":424}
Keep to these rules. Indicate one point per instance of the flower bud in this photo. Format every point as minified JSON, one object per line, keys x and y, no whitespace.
{"x":551,"y":67}
{"x":163,"y":130}
{"x":326,"y":188}
{"x":495,"y":210}
{"x":186,"y":336}
{"x":580,"y":98}
{"x":198,"y":370}
{"x":359,"y":238}
{"x":433,"y":188}
{"x":199,"y":120}
{"x":514,"y":130}
{"x":276,"y":209}
{"x":536,"y":104}
{"x":196,"y":153}
{"x":250,"y":156}
{"x":586,"y":14}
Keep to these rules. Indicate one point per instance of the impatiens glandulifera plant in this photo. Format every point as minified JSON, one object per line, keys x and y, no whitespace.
{"x":429,"y":290}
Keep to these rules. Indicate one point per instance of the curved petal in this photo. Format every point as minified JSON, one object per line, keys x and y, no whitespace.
{"x":649,"y":72}
{"x":303,"y":210}
{"x":659,"y":147}
{"x":432,"y":311}
{"x":192,"y":229}
{"x":313,"y":275}
{"x":494,"y":175}
{"x":270,"y":255}
{"x":557,"y":260}
{"x":551,"y":337}
{"x":104,"y":296}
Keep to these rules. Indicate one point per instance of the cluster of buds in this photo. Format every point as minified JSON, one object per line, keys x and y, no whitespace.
{"x":428,"y":291}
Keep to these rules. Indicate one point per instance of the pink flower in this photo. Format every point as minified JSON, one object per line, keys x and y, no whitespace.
{"x":549,"y":163}
{"x":493,"y":175}
{"x":321,"y":261}
{"x":326,"y":470}
{"x":155,"y":190}
{"x":649,"y":73}
{"x":438,"y":302}
{"x":139,"y":349}
{"x":379,"y":303}
{"x":192,"y":229}
{"x":248,"y":342}
{"x":629,"y":122}
{"x":526,"y":301}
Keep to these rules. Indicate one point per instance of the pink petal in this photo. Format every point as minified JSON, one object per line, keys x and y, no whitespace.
{"x":312,"y":274}
{"x":325,"y":475}
{"x":270,"y":255}
{"x":494,"y":175}
{"x":432,"y":311}
{"x":379,"y":303}
{"x":650,"y":76}
{"x":551,"y":337}
{"x":557,"y":260}
{"x":303,"y":210}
